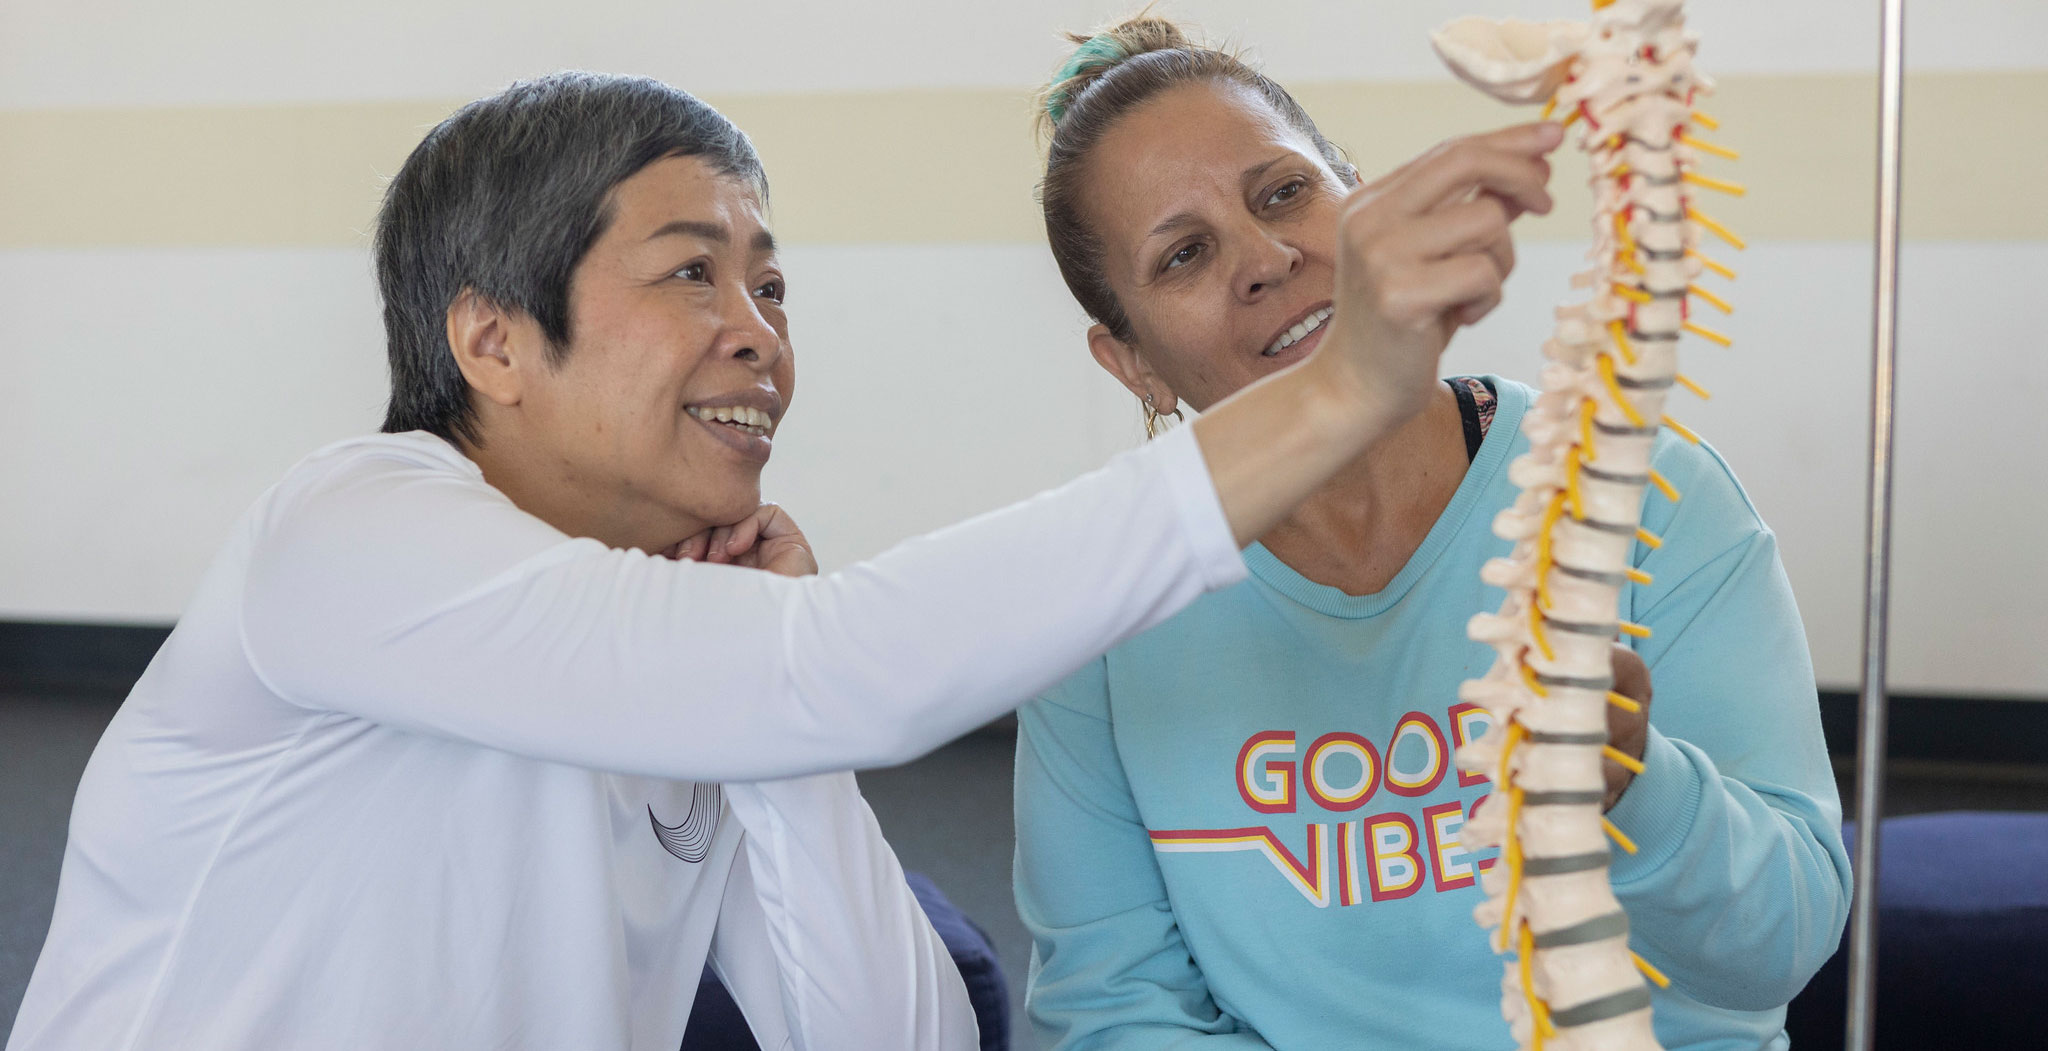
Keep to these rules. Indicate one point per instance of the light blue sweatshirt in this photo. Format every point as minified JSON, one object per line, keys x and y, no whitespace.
{"x":1239,"y":830}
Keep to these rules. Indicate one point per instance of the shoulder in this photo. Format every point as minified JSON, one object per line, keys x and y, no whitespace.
{"x":388,"y":492}
{"x":354,"y":466}
{"x":408,"y":452}
{"x":1711,"y":498}
{"x":1713,"y":522}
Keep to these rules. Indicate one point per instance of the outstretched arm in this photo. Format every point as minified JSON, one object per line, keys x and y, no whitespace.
{"x":399,"y":587}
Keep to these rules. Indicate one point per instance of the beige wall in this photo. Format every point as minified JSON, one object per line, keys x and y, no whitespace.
{"x":185,"y":303}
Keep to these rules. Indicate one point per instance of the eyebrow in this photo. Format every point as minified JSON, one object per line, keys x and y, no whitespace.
{"x":1183,"y":218}
{"x":716,"y":233}
{"x":1259,"y":169}
{"x":1188,"y":217}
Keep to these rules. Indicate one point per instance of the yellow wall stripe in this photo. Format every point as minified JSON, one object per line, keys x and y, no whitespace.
{"x":959,"y":165}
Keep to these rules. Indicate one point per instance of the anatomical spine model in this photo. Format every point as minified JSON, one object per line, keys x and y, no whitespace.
{"x":1625,"y":81}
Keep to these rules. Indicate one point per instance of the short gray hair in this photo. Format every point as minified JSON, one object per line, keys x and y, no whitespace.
{"x":504,"y":199}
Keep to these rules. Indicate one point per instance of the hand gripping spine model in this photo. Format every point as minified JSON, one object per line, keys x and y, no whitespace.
{"x":1626,"y":81}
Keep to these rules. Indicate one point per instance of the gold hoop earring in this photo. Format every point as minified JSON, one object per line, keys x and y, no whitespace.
{"x":1155,"y":421}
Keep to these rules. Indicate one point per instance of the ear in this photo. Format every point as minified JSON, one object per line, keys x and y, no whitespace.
{"x":490,"y":348}
{"x":1123,"y":361}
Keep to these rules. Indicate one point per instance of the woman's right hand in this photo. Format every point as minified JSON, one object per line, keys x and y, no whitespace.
{"x":1419,"y":253}
{"x":1423,"y":251}
{"x":767,"y":539}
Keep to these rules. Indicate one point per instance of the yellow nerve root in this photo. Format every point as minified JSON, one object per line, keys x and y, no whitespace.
{"x":1638,"y":576}
{"x":1708,"y":334}
{"x":1654,"y":974}
{"x":1705,"y":121}
{"x":1733,"y":189}
{"x":1620,"y":840}
{"x":1715,"y":228}
{"x":1624,"y":702}
{"x":1633,"y":630}
{"x":1649,"y":539}
{"x":1708,"y":147}
{"x":1614,"y":391}
{"x":1627,"y":252}
{"x":1550,"y":516}
{"x":1687,"y":382}
{"x":1716,"y":301}
{"x":1539,"y":1014}
{"x":1710,"y":264}
{"x":1514,"y":855}
{"x":1619,"y":330}
{"x":1681,"y":430}
{"x":1664,"y":485}
{"x":1511,"y":847}
{"x":1628,"y":762}
{"x":1572,"y":494}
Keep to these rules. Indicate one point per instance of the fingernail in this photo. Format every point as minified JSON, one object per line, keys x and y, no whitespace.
{"x":1553,"y":133}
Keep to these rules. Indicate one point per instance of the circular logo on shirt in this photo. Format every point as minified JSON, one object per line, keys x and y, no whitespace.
{"x":690,"y":840}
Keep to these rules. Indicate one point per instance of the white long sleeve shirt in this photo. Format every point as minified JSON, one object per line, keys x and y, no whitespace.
{"x":418,"y":770}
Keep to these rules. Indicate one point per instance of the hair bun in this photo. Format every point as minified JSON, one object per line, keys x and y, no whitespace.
{"x":1096,"y":55}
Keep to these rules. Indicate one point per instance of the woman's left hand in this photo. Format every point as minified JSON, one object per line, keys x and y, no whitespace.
{"x":1627,"y":731}
{"x":767,"y":539}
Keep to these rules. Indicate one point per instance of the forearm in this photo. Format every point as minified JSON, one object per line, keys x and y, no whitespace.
{"x":1737,"y":892}
{"x":857,"y":961}
{"x":1276,"y":441}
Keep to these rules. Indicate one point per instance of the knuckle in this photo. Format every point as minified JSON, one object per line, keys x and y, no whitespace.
{"x":1404,"y":303}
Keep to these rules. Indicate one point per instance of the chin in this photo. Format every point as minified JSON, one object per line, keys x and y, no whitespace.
{"x":728,"y":508}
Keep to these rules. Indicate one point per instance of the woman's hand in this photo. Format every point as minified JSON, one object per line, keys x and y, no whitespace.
{"x":1627,"y":731}
{"x":1423,"y":251}
{"x":767,"y":539}
{"x":1419,"y":253}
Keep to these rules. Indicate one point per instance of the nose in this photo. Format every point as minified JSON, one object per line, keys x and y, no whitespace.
{"x":1268,"y":263}
{"x":749,"y":336}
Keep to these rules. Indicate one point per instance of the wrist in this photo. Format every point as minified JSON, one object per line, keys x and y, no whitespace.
{"x":1345,"y":408}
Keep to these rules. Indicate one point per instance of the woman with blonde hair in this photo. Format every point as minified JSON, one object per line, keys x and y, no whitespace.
{"x":1240,"y":830}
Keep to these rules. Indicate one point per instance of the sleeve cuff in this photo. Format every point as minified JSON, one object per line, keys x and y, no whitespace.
{"x":1215,"y":550}
{"x":1657,"y":809}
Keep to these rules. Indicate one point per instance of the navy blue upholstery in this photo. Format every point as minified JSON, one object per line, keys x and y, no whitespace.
{"x":717,"y":1025}
{"x":1962,"y":937}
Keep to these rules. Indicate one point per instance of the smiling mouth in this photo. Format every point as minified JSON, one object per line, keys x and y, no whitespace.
{"x":1300,"y":331}
{"x":738,"y":417}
